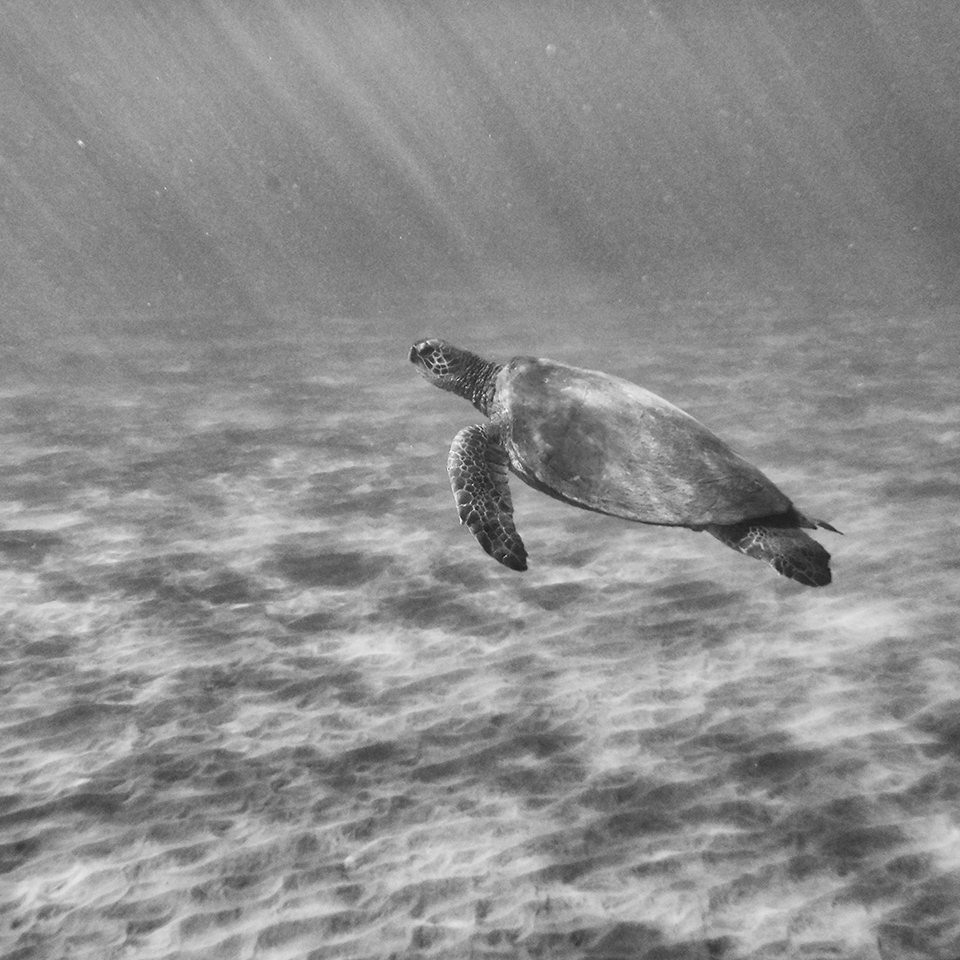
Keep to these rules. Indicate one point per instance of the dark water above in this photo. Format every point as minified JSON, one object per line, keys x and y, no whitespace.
{"x":262,"y":697}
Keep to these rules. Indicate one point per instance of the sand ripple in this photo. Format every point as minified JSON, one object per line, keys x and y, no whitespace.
{"x":261,"y":697}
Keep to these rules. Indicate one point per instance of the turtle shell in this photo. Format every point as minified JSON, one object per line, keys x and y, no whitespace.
{"x":605,"y":444}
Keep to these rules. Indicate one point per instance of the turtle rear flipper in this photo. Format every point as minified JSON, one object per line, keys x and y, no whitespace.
{"x":477,"y":466}
{"x":787,"y":549}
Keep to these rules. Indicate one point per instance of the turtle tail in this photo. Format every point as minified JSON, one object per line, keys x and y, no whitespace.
{"x":779,"y":541}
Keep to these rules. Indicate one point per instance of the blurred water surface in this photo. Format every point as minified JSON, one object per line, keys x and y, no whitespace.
{"x":262,"y":696}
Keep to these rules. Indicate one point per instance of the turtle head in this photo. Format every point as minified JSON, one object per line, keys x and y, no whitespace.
{"x":459,"y":371}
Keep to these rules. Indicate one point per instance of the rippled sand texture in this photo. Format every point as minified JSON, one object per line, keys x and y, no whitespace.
{"x":261,"y":697}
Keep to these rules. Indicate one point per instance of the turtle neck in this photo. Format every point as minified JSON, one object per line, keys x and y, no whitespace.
{"x":479,"y":383}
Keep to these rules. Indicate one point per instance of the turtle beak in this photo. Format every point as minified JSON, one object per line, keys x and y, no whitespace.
{"x":431,"y":358}
{"x":425,"y":348}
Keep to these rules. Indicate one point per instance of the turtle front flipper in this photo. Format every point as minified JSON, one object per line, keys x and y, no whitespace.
{"x":477,"y":467}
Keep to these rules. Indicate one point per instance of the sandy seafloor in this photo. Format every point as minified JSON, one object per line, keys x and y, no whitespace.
{"x":262,"y":697}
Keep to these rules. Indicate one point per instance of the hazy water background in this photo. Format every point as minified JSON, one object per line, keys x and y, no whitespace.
{"x":260,"y":695}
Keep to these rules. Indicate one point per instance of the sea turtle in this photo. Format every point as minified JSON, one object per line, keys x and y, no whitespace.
{"x":605,"y":444}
